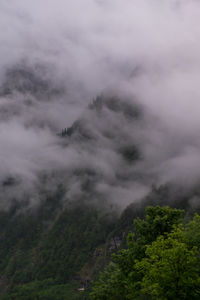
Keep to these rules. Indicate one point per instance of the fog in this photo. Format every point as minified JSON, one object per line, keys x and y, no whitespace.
{"x":57,"y":57}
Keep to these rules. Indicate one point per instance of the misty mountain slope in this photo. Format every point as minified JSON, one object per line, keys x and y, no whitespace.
{"x":61,"y":225}
{"x":104,"y":145}
{"x":111,"y":153}
{"x":89,"y":157}
{"x":23,"y":80}
{"x":99,"y":117}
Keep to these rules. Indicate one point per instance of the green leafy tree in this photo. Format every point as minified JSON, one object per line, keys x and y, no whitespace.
{"x":170,"y":269}
{"x":158,"y":220}
{"x":192,"y":232}
{"x":110,"y":285}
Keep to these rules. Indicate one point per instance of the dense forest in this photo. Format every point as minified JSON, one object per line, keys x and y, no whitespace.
{"x":87,"y":253}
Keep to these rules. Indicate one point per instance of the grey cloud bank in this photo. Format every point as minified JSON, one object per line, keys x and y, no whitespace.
{"x":56,"y":56}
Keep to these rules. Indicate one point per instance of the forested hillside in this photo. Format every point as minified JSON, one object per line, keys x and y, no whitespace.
{"x":52,"y":256}
{"x":61,"y":232}
{"x":99,"y":150}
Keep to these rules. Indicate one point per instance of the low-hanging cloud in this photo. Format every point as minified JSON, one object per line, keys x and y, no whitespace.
{"x":56,"y":56}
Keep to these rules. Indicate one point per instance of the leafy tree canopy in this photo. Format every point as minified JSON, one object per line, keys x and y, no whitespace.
{"x":161,"y":260}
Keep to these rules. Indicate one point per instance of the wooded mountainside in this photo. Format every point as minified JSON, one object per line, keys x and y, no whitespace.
{"x":96,"y":224}
{"x":52,"y":256}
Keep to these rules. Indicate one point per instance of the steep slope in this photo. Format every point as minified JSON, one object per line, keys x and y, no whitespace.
{"x":73,"y":199}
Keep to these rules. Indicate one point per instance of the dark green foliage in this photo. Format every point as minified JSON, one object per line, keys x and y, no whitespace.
{"x":170,"y":269}
{"x":161,"y":260}
{"x":79,"y":229}
{"x":18,"y":235}
{"x":34,"y":249}
{"x":157,"y":221}
{"x":52,"y":252}
{"x":108,"y":286}
{"x":43,"y":290}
